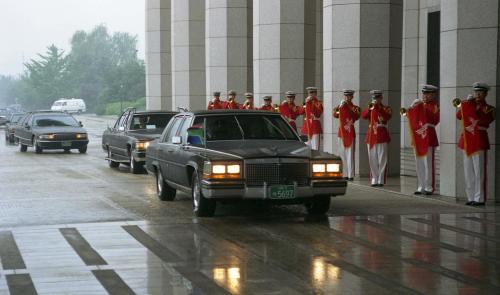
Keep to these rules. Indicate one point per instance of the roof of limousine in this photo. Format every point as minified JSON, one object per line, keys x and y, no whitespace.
{"x":229,"y":112}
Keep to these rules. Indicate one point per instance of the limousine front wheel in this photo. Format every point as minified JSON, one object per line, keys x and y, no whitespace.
{"x":165,"y":192}
{"x":202,"y":206}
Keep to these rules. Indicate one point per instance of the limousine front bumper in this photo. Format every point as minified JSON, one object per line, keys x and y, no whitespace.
{"x":239,"y":190}
{"x":62,"y":144}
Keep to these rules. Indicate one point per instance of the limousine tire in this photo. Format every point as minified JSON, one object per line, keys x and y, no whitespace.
{"x":319,"y":206}
{"x":202,"y":206}
{"x":165,"y":192}
{"x":38,"y":149}
{"x":111,"y":163}
{"x":23,"y":148}
{"x":135,"y":167}
{"x":83,"y":149}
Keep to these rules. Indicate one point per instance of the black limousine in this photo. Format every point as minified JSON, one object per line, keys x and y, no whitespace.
{"x":239,"y":155}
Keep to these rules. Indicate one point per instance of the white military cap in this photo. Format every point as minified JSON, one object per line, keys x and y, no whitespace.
{"x":231,"y":92}
{"x":348,"y":91}
{"x":480,"y":86}
{"x":248,"y":94}
{"x":375,"y":93}
{"x":267,"y":97}
{"x":290,"y":93}
{"x":312,"y":89}
{"x":429,"y":88}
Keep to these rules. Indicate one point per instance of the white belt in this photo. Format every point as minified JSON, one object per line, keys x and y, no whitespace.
{"x":482,"y":128}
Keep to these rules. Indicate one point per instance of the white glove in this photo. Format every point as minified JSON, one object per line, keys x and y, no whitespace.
{"x":415,"y":102}
{"x":343,"y":103}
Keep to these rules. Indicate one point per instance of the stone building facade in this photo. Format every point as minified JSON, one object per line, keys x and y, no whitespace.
{"x":267,"y":47}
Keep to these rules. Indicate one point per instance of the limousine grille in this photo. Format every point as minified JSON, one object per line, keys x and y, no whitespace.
{"x":277,"y":173}
{"x":64,"y":136}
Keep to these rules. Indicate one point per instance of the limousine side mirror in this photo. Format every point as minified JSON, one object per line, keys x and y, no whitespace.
{"x":27,"y":126}
{"x":176,"y":140}
{"x":304,"y":138}
{"x":121,"y":128}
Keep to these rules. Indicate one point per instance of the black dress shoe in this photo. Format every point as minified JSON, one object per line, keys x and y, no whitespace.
{"x":470,"y":203}
{"x":380,"y":185}
{"x":374,"y":185}
{"x":346,"y":178}
{"x":477,"y":204}
{"x":351,"y":179}
{"x":428,"y":193}
{"x":417,"y":193}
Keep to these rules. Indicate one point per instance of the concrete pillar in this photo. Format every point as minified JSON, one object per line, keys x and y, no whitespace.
{"x":158,"y":58}
{"x":362,"y":51}
{"x":188,"y":54}
{"x":470,"y":51}
{"x":228,"y":46}
{"x":318,"y":80}
{"x":284,"y":47}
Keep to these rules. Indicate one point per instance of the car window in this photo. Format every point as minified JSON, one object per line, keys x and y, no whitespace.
{"x":50,"y":121}
{"x":265,"y":127}
{"x":172,"y":129}
{"x":121,"y":121}
{"x":222,"y":128}
{"x":183,"y":130}
{"x":150,"y":121}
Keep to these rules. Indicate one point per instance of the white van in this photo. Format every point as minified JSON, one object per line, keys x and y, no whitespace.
{"x":74,"y":105}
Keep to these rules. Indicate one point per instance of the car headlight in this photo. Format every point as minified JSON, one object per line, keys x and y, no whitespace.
{"x":326,"y":169}
{"x":221,"y":170}
{"x":46,"y":136}
{"x":141,"y":145}
{"x":81,"y":135}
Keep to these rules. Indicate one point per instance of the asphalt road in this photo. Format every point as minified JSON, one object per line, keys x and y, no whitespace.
{"x":69,"y":224}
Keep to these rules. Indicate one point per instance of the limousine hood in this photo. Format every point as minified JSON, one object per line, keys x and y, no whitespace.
{"x":251,"y":149}
{"x":58,"y":129}
{"x":145,"y":134}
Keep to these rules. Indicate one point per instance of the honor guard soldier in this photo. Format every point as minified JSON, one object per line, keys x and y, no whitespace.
{"x":313,"y":109}
{"x":476,"y":116}
{"x":377,"y":137}
{"x":267,"y":106}
{"x":423,"y":116}
{"x":348,"y":114}
{"x":215,"y":104}
{"x":289,"y":110}
{"x":231,"y":103}
{"x":248,"y":104}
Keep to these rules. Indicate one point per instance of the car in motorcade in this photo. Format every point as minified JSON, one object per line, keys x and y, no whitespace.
{"x":223,"y":155}
{"x":127,"y":140}
{"x":12,"y":121}
{"x":49,"y":130}
{"x":73,"y":105}
{"x":3,"y":120}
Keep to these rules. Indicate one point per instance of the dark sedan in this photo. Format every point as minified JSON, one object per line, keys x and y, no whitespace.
{"x":10,"y":127}
{"x":238,"y":155}
{"x":127,"y":140}
{"x":47,"y":130}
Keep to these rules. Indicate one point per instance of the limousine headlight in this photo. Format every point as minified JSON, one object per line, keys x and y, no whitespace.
{"x":47,"y":136}
{"x":81,"y":135}
{"x":141,"y":145}
{"x":221,"y":170}
{"x":326,"y":169}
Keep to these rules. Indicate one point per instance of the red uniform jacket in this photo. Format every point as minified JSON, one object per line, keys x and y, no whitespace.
{"x":422,"y":121}
{"x":231,"y":105}
{"x":347,"y":114}
{"x":312,"y":116}
{"x":432,"y":116}
{"x":215,"y":105}
{"x":477,"y":125}
{"x":247,"y":106}
{"x":290,"y":111}
{"x":267,"y":108}
{"x":377,"y":126}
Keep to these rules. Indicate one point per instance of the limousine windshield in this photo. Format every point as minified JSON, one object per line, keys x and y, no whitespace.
{"x":248,"y":127}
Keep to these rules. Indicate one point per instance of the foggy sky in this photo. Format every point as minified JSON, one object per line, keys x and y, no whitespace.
{"x":27,"y":27}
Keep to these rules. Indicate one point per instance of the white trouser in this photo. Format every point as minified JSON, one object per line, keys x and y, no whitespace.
{"x":347,"y":155}
{"x":377,"y":156}
{"x":313,"y":142}
{"x":425,"y":171}
{"x":475,"y":176}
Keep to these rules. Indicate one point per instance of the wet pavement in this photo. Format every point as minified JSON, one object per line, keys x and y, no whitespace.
{"x":69,"y":224}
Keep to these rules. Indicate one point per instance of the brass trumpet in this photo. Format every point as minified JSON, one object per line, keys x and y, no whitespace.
{"x":456,"y":102}
{"x":276,"y":108}
{"x":336,"y":109}
{"x":403,"y":111}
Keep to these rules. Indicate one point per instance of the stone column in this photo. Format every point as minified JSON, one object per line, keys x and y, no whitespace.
{"x":284,"y":47}
{"x":188,"y":54}
{"x":228,"y":40}
{"x":470,"y":51}
{"x":318,"y":80}
{"x":158,"y":56}
{"x":362,"y":51}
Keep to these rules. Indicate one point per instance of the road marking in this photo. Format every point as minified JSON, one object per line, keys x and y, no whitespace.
{"x":112,"y":282}
{"x":20,"y":284}
{"x":9,"y":252}
{"x":82,"y":247}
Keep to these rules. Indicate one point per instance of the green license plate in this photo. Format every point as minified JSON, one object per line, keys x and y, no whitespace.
{"x":66,"y":143}
{"x":282,"y":192}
